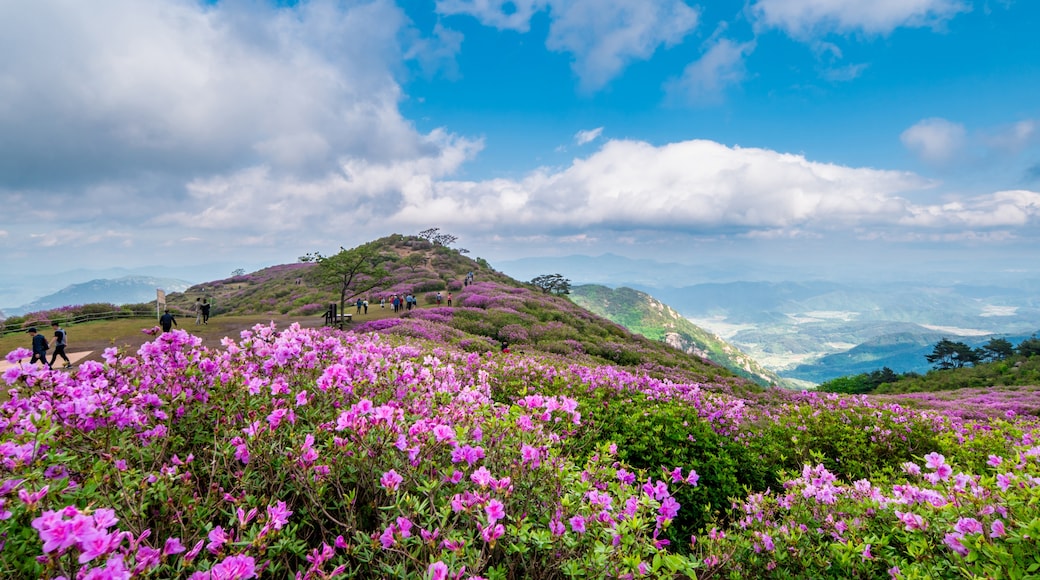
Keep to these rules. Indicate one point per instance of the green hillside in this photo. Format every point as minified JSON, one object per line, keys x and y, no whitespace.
{"x":492,"y":310}
{"x":643,"y":314}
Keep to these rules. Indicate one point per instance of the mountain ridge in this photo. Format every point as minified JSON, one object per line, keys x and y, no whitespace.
{"x":642,"y":313}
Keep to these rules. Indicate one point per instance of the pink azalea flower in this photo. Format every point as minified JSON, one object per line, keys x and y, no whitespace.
{"x":996,"y":529}
{"x":495,"y":511}
{"x":933,"y":460}
{"x":578,"y":524}
{"x":437,"y":571}
{"x":234,"y":568}
{"x":391,"y":480}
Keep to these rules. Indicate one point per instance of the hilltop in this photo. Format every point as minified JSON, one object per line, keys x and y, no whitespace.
{"x":493,"y":309}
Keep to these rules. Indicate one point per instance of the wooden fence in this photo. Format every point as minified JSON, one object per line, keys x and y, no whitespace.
{"x":6,"y":329}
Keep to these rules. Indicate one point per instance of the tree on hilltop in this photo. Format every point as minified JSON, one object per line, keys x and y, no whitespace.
{"x":948,"y":354}
{"x":353,"y":272}
{"x":436,"y":238}
{"x":996,"y":349}
{"x":552,"y":284}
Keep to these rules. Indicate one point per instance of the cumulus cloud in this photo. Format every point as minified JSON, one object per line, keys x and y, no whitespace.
{"x":935,"y":140}
{"x":946,"y":144}
{"x":171,"y":87}
{"x":603,"y":36}
{"x":706,"y":187}
{"x":587,"y":136}
{"x":691,"y":184}
{"x":362,"y":191}
{"x":706,"y":79}
{"x":805,"y":19}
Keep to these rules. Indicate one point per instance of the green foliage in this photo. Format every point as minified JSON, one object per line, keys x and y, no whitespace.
{"x":860,"y":384}
{"x":1029,"y":347}
{"x":997,"y":349}
{"x":948,"y":354}
{"x":352,"y":272}
{"x":552,"y":284}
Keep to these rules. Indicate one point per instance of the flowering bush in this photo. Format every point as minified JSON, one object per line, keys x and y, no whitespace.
{"x":320,"y":454}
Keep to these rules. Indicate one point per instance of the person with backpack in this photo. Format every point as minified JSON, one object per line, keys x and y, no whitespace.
{"x":39,"y":347}
{"x":61,"y":340}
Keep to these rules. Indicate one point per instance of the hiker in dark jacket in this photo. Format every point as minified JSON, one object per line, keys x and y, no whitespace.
{"x":39,"y":347}
{"x":167,"y":321}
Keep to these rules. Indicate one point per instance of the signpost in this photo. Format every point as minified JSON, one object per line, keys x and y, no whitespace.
{"x":160,"y":302}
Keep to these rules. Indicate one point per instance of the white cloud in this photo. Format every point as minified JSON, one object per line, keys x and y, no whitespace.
{"x":946,"y":144}
{"x":171,"y":86}
{"x":805,"y":19}
{"x":703,"y":186}
{"x":604,"y":36}
{"x":1015,"y":137}
{"x":935,"y":140}
{"x":502,"y":14}
{"x":587,"y":136}
{"x":705,"y":80}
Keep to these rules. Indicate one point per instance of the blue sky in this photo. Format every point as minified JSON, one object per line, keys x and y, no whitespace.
{"x":893,"y":137}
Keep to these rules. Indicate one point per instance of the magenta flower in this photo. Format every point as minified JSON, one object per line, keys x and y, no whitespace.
{"x":495,"y":511}
{"x":234,"y":568}
{"x":437,"y":571}
{"x":492,"y":532}
{"x":482,"y":477}
{"x":173,"y":546}
{"x":968,"y":526}
{"x":996,"y":529}
{"x":387,"y":537}
{"x":669,"y":508}
{"x":692,"y":478}
{"x":217,"y":539}
{"x":556,"y":527}
{"x":933,"y":460}
{"x":278,"y":515}
{"x":391,"y":480}
{"x":95,"y":544}
{"x":578,"y":524}
{"x":953,"y":541}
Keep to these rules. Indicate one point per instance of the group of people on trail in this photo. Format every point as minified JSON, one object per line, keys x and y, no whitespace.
{"x":40,"y":346}
{"x":200,"y":308}
{"x":408,"y":302}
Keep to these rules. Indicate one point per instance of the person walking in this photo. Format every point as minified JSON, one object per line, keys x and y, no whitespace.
{"x":205,"y":311}
{"x":197,"y":309}
{"x":39,"y":347}
{"x":167,"y":321}
{"x":449,"y":298}
{"x":61,"y":339}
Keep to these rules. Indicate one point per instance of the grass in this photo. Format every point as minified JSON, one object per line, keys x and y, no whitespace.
{"x":126,"y":333}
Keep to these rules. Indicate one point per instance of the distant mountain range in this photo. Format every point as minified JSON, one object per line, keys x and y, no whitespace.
{"x":645,"y":315}
{"x":816,"y":330}
{"x":125,"y":290}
